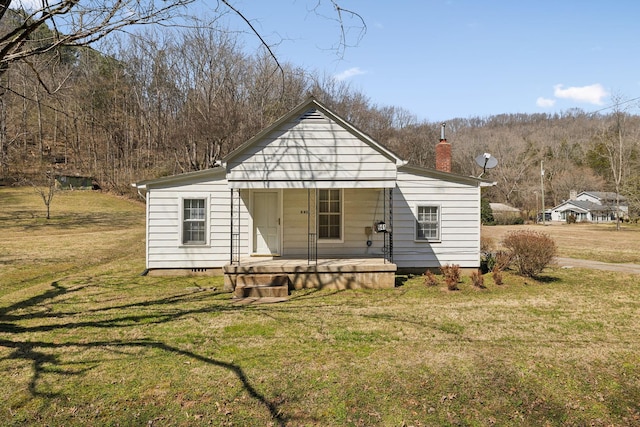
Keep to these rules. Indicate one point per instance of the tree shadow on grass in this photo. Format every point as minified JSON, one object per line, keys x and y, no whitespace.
{"x":40,"y":361}
{"x":43,"y":357}
{"x":547,"y":279}
{"x":95,"y":221}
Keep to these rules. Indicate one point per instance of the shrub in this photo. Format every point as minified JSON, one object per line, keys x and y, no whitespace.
{"x":518,"y":220}
{"x":531,"y":251}
{"x":490,"y":260}
{"x":571,"y":219}
{"x":503,"y":260}
{"x":477,"y":279}
{"x":508,"y":220}
{"x":451,"y":275}
{"x":430,"y":279}
{"x":486,"y":213}
{"x":496,"y":274}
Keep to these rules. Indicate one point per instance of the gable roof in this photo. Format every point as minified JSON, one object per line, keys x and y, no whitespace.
{"x":311,"y":147}
{"x":259,"y":173}
{"x":501,"y":207}
{"x":582,"y":205}
{"x":603,"y":195}
{"x":299,"y":112}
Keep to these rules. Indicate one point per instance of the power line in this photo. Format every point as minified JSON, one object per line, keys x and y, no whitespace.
{"x":616,"y":104}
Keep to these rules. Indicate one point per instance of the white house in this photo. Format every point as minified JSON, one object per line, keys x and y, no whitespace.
{"x":316,"y":199}
{"x":592,"y":206}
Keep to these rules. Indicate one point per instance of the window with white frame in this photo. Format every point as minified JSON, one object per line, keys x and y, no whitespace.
{"x":427,"y":223}
{"x":194,"y":222}
{"x":329,"y":214}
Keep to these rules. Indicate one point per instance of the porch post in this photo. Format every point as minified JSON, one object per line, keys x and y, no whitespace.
{"x":312,"y":238}
{"x":235,"y":228}
{"x":390,"y":224}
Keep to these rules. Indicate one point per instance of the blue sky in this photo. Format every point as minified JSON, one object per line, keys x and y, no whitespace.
{"x":442,"y":59}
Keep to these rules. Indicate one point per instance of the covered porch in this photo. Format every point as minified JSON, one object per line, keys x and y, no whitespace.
{"x":311,"y":200}
{"x":324,"y":273}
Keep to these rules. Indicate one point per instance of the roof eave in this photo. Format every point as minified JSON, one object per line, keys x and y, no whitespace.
{"x":448,"y":176}
{"x":171,"y":179}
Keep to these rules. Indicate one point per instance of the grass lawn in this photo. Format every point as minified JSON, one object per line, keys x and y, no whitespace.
{"x":86,"y":340}
{"x":597,"y":242}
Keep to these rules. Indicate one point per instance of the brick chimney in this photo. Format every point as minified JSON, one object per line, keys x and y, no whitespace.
{"x":443,"y":153}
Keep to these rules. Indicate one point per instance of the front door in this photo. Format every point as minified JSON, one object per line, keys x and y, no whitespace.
{"x":266,"y":221}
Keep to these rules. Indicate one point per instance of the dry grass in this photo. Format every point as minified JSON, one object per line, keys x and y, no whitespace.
{"x":97,"y":344}
{"x":598,"y":242}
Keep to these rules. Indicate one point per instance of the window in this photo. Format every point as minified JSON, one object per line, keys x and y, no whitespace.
{"x":428,"y":223}
{"x":194,"y":221}
{"x":329,"y":214}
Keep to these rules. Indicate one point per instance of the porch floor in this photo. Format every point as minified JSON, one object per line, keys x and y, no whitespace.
{"x":333,"y":273}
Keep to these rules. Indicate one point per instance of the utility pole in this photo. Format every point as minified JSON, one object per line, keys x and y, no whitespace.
{"x":542,"y":190}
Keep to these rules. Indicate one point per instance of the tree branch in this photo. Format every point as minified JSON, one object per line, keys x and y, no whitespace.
{"x":262,"y":40}
{"x":84,"y":23}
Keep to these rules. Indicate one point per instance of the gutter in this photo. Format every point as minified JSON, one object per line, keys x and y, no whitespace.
{"x":140,"y":188}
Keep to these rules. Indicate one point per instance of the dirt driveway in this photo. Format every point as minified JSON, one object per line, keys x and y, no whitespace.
{"x":596,"y":265}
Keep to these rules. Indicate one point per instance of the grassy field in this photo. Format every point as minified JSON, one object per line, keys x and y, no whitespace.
{"x":598,"y":242}
{"x":86,"y":340}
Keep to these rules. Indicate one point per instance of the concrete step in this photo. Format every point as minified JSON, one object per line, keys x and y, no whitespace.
{"x":262,"y":286}
{"x":262,"y":292}
{"x":249,"y":279}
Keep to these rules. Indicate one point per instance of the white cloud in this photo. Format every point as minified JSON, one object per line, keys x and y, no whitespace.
{"x":593,"y":94}
{"x":545,"y":102}
{"x":347,"y":74}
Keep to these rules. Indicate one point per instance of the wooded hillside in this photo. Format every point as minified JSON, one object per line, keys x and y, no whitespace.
{"x":168,"y":102}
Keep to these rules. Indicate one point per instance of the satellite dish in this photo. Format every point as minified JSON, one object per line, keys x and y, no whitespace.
{"x":486,"y":161}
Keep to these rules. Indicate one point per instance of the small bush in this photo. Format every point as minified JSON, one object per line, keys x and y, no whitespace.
{"x":477,"y":279}
{"x":451,"y":275}
{"x":518,"y":221}
{"x":571,"y":219}
{"x":490,"y":260}
{"x":503,"y":260}
{"x":509,"y":220}
{"x":430,"y":279}
{"x":486,"y":214}
{"x":496,"y":274}
{"x":531,"y":251}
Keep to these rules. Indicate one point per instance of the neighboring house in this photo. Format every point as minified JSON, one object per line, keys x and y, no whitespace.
{"x":592,"y":206}
{"x":503,"y":213}
{"x":316,"y":199}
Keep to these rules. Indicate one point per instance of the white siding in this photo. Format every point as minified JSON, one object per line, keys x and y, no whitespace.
{"x":311,"y":151}
{"x":164,"y":248}
{"x":459,"y":212}
{"x":361,"y":207}
{"x":459,"y":205}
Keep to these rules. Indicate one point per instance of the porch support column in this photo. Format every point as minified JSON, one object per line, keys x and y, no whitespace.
{"x":312,"y":238}
{"x":235,"y":227}
{"x":390,"y":224}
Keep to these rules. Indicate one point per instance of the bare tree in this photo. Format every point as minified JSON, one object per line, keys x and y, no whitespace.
{"x":74,"y":23}
{"x":45,"y":185}
{"x":615,"y":145}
